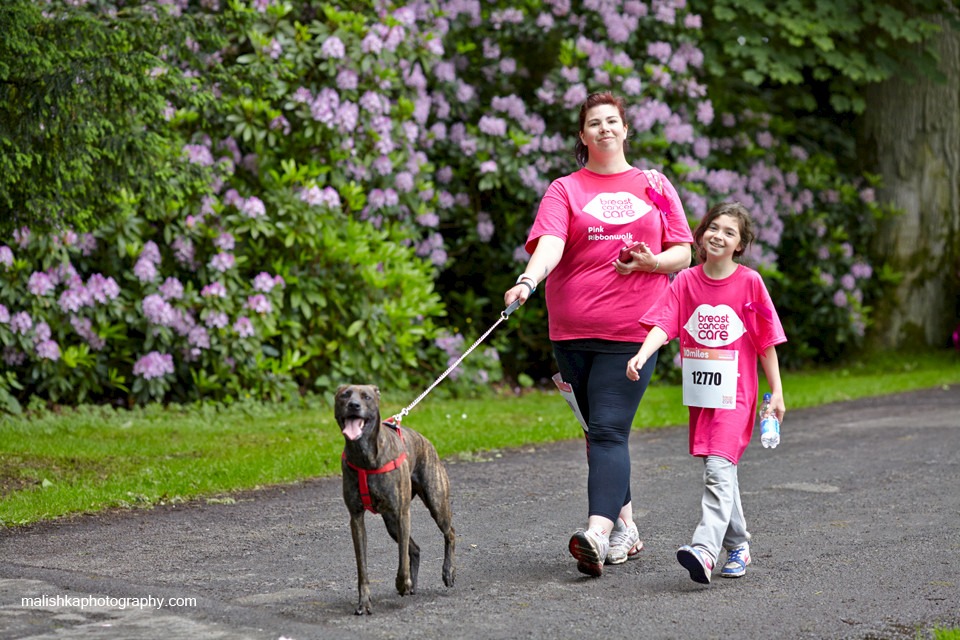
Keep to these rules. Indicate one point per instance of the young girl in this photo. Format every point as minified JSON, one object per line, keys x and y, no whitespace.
{"x":724,"y":318}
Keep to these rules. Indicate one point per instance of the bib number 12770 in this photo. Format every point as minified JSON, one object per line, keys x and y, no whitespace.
{"x":707,"y":377}
{"x":710,"y":378}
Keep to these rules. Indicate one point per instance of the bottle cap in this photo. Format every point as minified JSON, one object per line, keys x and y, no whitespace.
{"x":766,"y":397}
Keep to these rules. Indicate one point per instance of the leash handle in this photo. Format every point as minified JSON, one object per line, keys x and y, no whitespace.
{"x":513,"y":307}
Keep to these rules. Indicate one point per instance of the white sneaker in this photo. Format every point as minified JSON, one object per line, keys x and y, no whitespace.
{"x":697,"y":561}
{"x":625,"y":542}
{"x":737,"y":560}
{"x":590,"y":549}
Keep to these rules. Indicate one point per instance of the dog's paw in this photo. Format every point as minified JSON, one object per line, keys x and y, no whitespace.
{"x":405,"y":586}
{"x":448,"y":577}
{"x":363,"y":609}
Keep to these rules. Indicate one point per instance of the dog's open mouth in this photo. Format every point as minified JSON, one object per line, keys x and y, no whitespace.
{"x":352,"y":428}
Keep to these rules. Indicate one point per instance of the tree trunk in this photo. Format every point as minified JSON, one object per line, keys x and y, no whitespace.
{"x":911,"y":137}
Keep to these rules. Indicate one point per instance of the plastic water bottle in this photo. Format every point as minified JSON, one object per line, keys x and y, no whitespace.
{"x":769,"y":425}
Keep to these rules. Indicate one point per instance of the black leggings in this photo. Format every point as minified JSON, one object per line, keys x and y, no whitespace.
{"x":608,"y":401}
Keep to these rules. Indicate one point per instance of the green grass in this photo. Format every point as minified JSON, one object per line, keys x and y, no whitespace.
{"x":95,"y":458}
{"x":940,"y":633}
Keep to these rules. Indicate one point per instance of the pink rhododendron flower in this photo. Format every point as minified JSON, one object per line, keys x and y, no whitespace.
{"x":21,"y":322}
{"x":145,"y":270}
{"x":259,"y":304}
{"x":39,"y":283}
{"x":48,"y":350}
{"x":332,"y":48}
{"x":243,"y":327}
{"x":171,"y":289}
{"x":217,"y":320}
{"x":253,"y":207}
{"x":84,"y":328}
{"x":153,"y":365}
{"x":215,"y":290}
{"x":198,"y":154}
{"x":158,"y":311}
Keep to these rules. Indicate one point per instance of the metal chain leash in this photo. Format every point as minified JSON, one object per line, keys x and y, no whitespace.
{"x":503,"y":316}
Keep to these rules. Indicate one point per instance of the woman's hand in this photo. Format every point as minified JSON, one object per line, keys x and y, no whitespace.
{"x":643,"y":260}
{"x":520,"y":291}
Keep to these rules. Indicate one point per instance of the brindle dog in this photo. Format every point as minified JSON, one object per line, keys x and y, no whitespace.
{"x":374,"y":453}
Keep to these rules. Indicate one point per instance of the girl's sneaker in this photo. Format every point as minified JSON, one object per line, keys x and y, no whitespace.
{"x":590,"y":549}
{"x":737,"y":560}
{"x":624,"y":542}
{"x":697,"y":561}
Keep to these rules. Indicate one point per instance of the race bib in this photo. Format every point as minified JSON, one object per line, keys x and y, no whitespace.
{"x":710,"y":378}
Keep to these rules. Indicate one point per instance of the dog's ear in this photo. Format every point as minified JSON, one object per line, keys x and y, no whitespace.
{"x":376,"y":390}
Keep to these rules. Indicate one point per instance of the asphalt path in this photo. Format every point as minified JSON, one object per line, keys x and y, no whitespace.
{"x":855,"y":520}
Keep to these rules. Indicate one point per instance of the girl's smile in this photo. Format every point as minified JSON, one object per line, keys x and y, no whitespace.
{"x":722,"y":238}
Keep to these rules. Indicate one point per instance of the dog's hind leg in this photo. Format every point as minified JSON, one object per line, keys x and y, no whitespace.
{"x":449,"y":543}
{"x":359,"y":532}
{"x":409,"y":552}
{"x":438,"y":504}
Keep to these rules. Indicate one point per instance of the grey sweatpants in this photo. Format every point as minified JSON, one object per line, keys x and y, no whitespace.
{"x":722,"y":524}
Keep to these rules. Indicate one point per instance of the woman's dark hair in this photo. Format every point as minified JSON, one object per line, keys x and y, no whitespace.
{"x":594,"y":100}
{"x":736,"y":211}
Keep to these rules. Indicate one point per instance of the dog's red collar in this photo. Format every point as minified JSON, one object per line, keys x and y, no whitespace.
{"x":390,"y":466}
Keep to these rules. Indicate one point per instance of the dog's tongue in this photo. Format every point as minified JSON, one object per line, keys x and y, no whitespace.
{"x":352,"y":428}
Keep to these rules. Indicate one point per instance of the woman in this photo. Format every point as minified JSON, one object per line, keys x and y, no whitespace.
{"x":594,"y":301}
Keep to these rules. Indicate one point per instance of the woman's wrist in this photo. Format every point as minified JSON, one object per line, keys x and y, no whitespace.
{"x":654,"y":270}
{"x":528,"y":280}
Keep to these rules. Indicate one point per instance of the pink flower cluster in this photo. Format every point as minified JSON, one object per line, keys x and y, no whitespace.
{"x":6,"y":256}
{"x":265,"y":282}
{"x":146,"y":268}
{"x":314,"y":196}
{"x":153,"y":365}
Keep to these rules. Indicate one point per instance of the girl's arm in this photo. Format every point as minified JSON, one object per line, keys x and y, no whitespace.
{"x":674,"y":257}
{"x":654,"y":340}
{"x":771,"y":368}
{"x":544,"y":259}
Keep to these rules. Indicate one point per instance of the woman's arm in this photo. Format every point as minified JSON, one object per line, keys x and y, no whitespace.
{"x":544,"y":259}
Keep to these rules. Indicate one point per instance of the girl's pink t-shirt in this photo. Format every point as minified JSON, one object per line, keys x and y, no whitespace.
{"x":595,"y":214}
{"x":733,"y":313}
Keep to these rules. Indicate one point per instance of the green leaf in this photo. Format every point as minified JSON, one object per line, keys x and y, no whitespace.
{"x":354,"y":328}
{"x":753,"y":77}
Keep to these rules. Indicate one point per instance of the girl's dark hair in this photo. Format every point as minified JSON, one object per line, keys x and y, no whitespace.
{"x":594,"y":100}
{"x":736,"y":211}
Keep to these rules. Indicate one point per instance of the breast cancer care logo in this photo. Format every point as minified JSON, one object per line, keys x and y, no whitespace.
{"x":714,"y":326}
{"x":617,"y":208}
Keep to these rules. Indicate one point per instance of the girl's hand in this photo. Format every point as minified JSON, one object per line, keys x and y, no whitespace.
{"x":643,"y":260}
{"x":636,"y":363}
{"x":777,"y":405}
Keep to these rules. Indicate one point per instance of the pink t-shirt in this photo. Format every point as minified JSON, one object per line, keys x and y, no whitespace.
{"x":733,"y":313}
{"x":594,"y":214}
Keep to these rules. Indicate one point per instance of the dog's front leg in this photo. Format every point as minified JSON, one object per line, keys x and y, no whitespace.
{"x":398,"y":526}
{"x":359,"y":532}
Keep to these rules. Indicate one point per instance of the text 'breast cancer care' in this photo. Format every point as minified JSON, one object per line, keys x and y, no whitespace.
{"x":714,"y":326}
{"x":617,"y":208}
